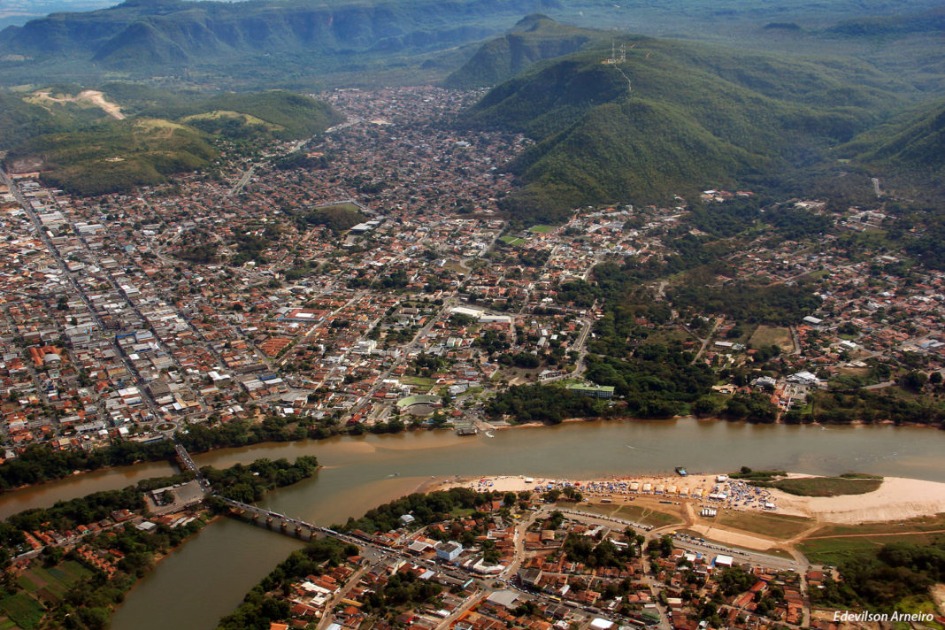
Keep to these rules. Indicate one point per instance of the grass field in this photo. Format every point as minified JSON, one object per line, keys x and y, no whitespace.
{"x":772,"y":336}
{"x":925,"y":524}
{"x":52,"y":584}
{"x":25,"y":611}
{"x":27,"y":584}
{"x":222,"y":114}
{"x":636,"y":513}
{"x":541,"y":229}
{"x":780,"y":526}
{"x":670,"y":335}
{"x":418,"y":381}
{"x":647,"y":516}
{"x":346,"y":206}
{"x":829,"y":486}
{"x":833,"y":543}
{"x":835,"y":550}
{"x":512,"y":240}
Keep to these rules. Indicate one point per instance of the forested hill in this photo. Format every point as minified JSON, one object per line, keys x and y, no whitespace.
{"x":535,"y":38}
{"x":162,"y":36}
{"x":672,"y":118}
{"x":912,"y":148}
{"x":80,"y":149}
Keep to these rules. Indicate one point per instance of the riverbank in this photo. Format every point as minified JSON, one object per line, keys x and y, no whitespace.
{"x":896,"y":499}
{"x":208,"y":577}
{"x":167,"y":459}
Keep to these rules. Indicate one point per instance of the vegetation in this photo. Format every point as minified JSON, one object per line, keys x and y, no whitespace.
{"x":829,"y":486}
{"x":845,"y":405}
{"x":753,"y":407}
{"x":259,"y":608}
{"x":115,"y":156}
{"x":58,"y":586}
{"x":836,"y":544}
{"x":593,"y":553}
{"x":252,"y":44}
{"x":721,"y":126}
{"x":249,"y":484}
{"x":21,"y":119}
{"x":39,"y":463}
{"x":657,"y":380}
{"x":276,"y":113}
{"x":772,"y":525}
{"x":535,"y":38}
{"x":338,"y":218}
{"x":425,"y":508}
{"x":777,"y":304}
{"x":90,"y":154}
{"x":201,"y":438}
{"x":882,"y":580}
{"x":544,"y":403}
{"x":748,"y":474}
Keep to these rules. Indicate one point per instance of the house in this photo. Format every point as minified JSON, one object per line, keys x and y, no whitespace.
{"x":448,"y":551}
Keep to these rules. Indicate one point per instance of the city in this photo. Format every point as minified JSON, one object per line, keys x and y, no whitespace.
{"x":411,"y":283}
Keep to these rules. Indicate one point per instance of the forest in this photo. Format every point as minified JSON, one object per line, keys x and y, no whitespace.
{"x":881,"y":581}
{"x":38,"y":463}
{"x":425,"y":508}
{"x":250,"y":483}
{"x":544,"y":403}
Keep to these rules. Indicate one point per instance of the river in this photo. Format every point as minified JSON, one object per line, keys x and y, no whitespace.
{"x":206,"y":578}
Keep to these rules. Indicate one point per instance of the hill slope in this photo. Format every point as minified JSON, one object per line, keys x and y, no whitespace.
{"x":145,"y":36}
{"x":696,"y":117}
{"x":535,"y":38}
{"x":276,"y":113}
{"x":115,"y":155}
{"x":96,"y":156}
{"x":913,"y":148}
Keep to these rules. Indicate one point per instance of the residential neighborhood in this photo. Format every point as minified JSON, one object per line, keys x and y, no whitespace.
{"x":520,"y":562}
{"x":336,"y":293}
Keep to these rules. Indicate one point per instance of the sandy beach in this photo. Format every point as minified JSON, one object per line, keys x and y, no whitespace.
{"x":896,"y":499}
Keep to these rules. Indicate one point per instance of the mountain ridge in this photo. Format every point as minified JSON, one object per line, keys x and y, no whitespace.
{"x":134,"y":34}
{"x":534,"y":38}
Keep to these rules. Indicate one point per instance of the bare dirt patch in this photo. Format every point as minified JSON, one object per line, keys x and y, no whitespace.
{"x":938,"y":596}
{"x":90,"y":97}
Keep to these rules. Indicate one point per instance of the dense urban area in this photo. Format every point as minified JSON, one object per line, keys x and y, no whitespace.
{"x":379,"y":286}
{"x":371,"y":280}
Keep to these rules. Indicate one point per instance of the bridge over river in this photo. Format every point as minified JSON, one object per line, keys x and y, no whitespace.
{"x":278,"y":522}
{"x":259,"y":516}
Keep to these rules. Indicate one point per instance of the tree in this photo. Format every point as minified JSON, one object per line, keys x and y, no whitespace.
{"x":914,"y":380}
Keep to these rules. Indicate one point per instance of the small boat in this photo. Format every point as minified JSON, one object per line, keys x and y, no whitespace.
{"x":490,"y":434}
{"x":681,"y":471}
